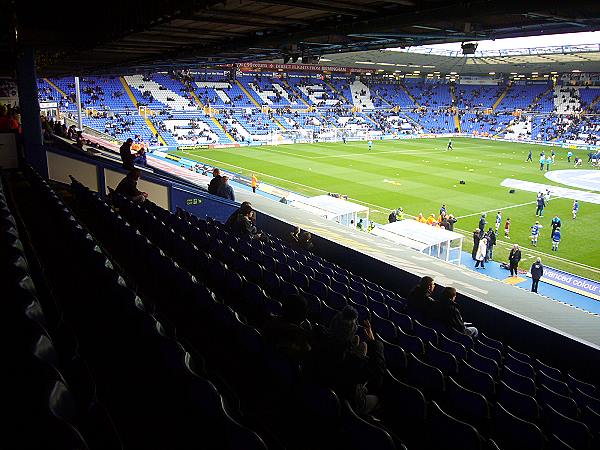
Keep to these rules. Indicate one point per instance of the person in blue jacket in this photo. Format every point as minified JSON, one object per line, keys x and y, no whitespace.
{"x":555,"y":239}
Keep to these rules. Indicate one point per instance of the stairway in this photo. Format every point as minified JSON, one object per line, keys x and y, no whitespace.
{"x":499,"y":100}
{"x":363,"y":101}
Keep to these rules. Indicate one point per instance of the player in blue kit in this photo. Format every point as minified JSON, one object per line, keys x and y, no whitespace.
{"x":370,"y":143}
{"x":535,"y":231}
{"x":449,"y":144}
{"x":498,"y":221}
{"x":575,"y":208}
{"x":555,"y":239}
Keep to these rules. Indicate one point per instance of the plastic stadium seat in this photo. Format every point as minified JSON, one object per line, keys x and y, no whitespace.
{"x":412,"y":344}
{"x":583,"y":399}
{"x":557,"y":386}
{"x":482,"y":363}
{"x":488,"y":352}
{"x":461,"y":338}
{"x":358,"y":297}
{"x":357,"y":285}
{"x":564,"y":405}
{"x":524,"y":385}
{"x":272,"y":282}
{"x":574,"y":433}
{"x":444,"y":361}
{"x":557,"y":443}
{"x":403,"y":321}
{"x":518,"y":366}
{"x":363,"y":312}
{"x":467,"y":405}
{"x":490,"y":342}
{"x":449,"y":431}
{"x":300,"y":280}
{"x":319,"y":289}
{"x":318,"y":415}
{"x":451,"y":346}
{"x":521,"y":405}
{"x":592,"y":419}
{"x":380,"y":308}
{"x":586,"y":388}
{"x":522,"y":434}
{"x":383,"y":327}
{"x":359,"y":434}
{"x":336,"y":300}
{"x":551,"y":371}
{"x":338,"y":286}
{"x":426,"y":333}
{"x":476,"y":380}
{"x":284,"y":271}
{"x":518,"y":355}
{"x":308,"y":271}
{"x":425,"y":376}
{"x":326,"y":314}
{"x":395,"y":358}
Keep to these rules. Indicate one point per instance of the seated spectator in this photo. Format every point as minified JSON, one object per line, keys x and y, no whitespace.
{"x":140,"y":158}
{"x":294,"y":237}
{"x":449,"y":314}
{"x":128,"y":187}
{"x":225,"y":190}
{"x":8,"y":121}
{"x":245,"y":221}
{"x":420,"y":301}
{"x":231,"y":220}
{"x":305,"y":241}
{"x":290,"y":333}
{"x":353,"y":369}
{"x":214,"y":184}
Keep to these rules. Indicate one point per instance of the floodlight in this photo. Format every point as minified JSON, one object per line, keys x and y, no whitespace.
{"x":468,"y":48}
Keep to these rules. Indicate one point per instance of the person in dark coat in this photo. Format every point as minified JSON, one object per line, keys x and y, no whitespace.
{"x":126,"y":155}
{"x":290,"y":334}
{"x":537,"y":270}
{"x":244,"y":222}
{"x":392,"y":217}
{"x":476,"y":238}
{"x":449,"y":315}
{"x":451,"y":221}
{"x":354,"y":369}
{"x":513,"y":259}
{"x":420,"y":301}
{"x":482,"y":223}
{"x":214,"y":184}
{"x":225,"y":190}
{"x":128,"y":187}
{"x":491,"y":241}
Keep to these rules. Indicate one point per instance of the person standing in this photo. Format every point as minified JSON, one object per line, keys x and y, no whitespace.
{"x":535,"y":231}
{"x":370,"y":143}
{"x":254,"y":183}
{"x":556,"y":223}
{"x":529,"y":157}
{"x":126,"y":155}
{"x":476,"y":239}
{"x":498,"y":221}
{"x":542,"y":160}
{"x":449,"y":145}
{"x":481,"y":253}
{"x":482,"y":223}
{"x":392,"y":217}
{"x":214,"y":184}
{"x":491,"y":241}
{"x":507,"y":228}
{"x":575,"y":208}
{"x":513,"y":259}
{"x":541,"y":203}
{"x":569,"y":155}
{"x":549,"y":161}
{"x":555,"y":239}
{"x":451,"y":221}
{"x":537,"y":270}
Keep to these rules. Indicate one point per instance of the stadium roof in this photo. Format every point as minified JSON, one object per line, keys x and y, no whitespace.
{"x":141,"y":35}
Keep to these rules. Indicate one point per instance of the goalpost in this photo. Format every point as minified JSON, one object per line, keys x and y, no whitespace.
{"x":325,"y":134}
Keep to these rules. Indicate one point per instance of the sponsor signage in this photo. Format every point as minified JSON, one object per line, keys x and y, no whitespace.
{"x":299,"y":67}
{"x":571,"y":282}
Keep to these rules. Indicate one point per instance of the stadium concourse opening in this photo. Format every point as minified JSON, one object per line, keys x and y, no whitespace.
{"x":165,"y":152}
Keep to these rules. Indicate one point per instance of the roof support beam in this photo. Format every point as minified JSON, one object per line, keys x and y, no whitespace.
{"x":324,"y":5}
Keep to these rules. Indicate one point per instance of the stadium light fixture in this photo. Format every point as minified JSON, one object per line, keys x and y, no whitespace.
{"x":553,"y":73}
{"x":534,"y":73}
{"x":363,"y":62}
{"x":576,"y":71}
{"x":401,"y":65}
{"x":492,"y":73}
{"x":452,"y":73}
{"x":384,"y":64}
{"x":325,"y":60}
{"x":368,"y":73}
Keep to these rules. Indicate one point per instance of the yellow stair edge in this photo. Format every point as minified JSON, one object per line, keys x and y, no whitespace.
{"x":60,"y":91}
{"x":245,"y":91}
{"x":198,"y":102}
{"x":218,"y":124}
{"x":300,"y":94}
{"x":134,"y":102}
{"x":405,"y":89}
{"x":497,"y":102}
{"x":454,"y":102}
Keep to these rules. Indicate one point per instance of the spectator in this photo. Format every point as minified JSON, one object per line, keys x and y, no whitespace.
{"x":481,"y":253}
{"x":537,"y":270}
{"x":126,"y":155}
{"x":244,"y":222}
{"x":294,"y":237}
{"x":229,"y":223}
{"x":214,"y":184}
{"x":7,"y":120}
{"x":513,"y":258}
{"x":306,"y":242}
{"x":225,"y":190}
{"x":347,"y":365}
{"x":449,"y":314}
{"x":420,"y":300}
{"x":476,"y":238}
{"x":290,"y":333}
{"x":128,"y":187}
{"x":140,"y":158}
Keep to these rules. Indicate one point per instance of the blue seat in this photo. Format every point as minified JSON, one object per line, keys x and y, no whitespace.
{"x":358,"y":297}
{"x":308,"y":271}
{"x":564,"y":405}
{"x":314,"y":307}
{"x":412,"y":344}
{"x":449,"y":431}
{"x":286,"y":289}
{"x":573,"y":432}
{"x":326,"y":314}
{"x":363,"y":311}
{"x":253,"y":272}
{"x":444,"y":361}
{"x":521,"y":405}
{"x":548,"y":370}
{"x":375,"y":294}
{"x":524,"y":385}
{"x":272,"y":282}
{"x":518,"y":366}
{"x":357,"y":285}
{"x":395,"y":358}
{"x":284,"y":271}
{"x":338,"y":286}
{"x":426,"y":333}
{"x":583,"y":399}
{"x":461,"y":338}
{"x":360,"y":434}
{"x":592,"y":419}
{"x":490,"y":342}
{"x":319,"y":289}
{"x":383,"y":327}
{"x":402,"y":320}
{"x":467,"y":405}
{"x":336,"y":300}
{"x":522,"y":435}
{"x":560,"y":387}
{"x":519,"y":355}
{"x":556,"y":443}
{"x":484,"y":364}
{"x":300,"y":280}
{"x":380,"y":308}
{"x":586,"y":388}
{"x":322,"y":277}
{"x":425,"y":376}
{"x":476,"y":380}
{"x":488,"y":352}
{"x":448,"y":345}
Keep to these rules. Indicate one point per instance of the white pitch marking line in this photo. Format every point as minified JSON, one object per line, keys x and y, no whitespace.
{"x":497,"y":209}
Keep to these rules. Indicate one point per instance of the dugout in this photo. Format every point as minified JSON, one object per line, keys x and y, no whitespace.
{"x":332,"y":208}
{"x":433,"y":241}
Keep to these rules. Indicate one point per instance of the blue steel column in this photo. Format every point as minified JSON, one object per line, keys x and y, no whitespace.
{"x":30,"y":111}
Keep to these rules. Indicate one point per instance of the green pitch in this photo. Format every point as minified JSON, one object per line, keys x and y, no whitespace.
{"x":419,"y":175}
